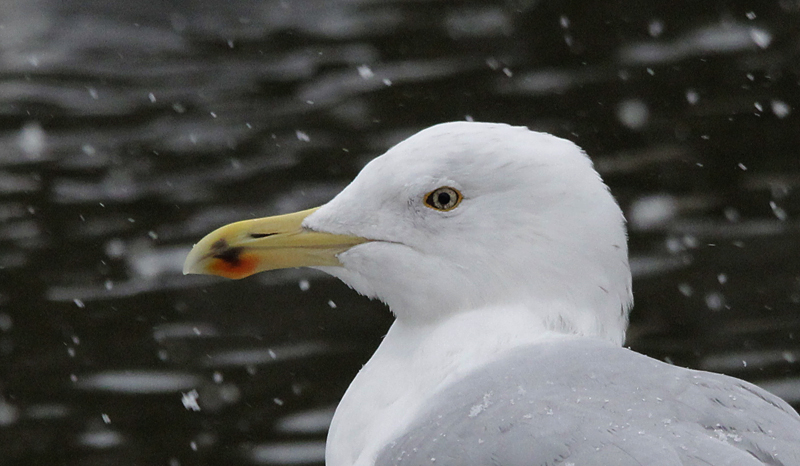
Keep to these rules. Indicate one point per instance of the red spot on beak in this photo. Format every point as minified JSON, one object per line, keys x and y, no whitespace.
{"x":244,"y":266}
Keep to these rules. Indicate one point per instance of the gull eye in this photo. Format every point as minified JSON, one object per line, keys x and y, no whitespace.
{"x":444,"y":198}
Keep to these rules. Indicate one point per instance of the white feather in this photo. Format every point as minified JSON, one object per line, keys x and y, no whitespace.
{"x":537,"y":249}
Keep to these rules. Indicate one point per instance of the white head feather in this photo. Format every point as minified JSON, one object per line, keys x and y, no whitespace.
{"x":537,"y":228}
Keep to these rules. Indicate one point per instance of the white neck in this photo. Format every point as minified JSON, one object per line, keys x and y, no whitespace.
{"x":412,"y":364}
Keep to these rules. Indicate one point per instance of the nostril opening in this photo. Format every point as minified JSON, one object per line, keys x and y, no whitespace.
{"x":261,"y":235}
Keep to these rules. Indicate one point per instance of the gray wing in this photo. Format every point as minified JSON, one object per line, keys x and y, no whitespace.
{"x":586,"y":403}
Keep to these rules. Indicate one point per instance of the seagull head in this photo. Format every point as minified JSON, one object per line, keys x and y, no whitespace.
{"x":460,"y":216}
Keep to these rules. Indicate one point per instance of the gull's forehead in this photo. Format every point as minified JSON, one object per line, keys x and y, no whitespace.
{"x":472,"y":154}
{"x":450,"y":145}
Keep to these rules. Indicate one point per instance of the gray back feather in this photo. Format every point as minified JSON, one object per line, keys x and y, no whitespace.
{"x":588,"y":403}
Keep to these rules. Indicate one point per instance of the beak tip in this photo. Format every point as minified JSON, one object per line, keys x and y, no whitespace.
{"x":190,"y":264}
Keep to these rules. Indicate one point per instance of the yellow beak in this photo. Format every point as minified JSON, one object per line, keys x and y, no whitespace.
{"x":243,"y":248}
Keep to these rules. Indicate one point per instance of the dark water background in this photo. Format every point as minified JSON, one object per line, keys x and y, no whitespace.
{"x":130,"y":129}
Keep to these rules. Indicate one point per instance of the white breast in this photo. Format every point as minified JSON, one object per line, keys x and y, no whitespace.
{"x":413,"y":363}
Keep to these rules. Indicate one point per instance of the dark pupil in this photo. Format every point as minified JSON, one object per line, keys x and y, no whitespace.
{"x":443,"y":199}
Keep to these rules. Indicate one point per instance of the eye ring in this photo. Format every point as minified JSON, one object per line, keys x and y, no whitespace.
{"x":443,"y":199}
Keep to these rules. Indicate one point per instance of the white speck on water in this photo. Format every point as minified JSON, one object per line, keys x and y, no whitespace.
{"x":653,"y":211}
{"x":8,"y":413}
{"x":387,"y":81}
{"x":508,"y":72}
{"x":73,"y":377}
{"x":722,"y":278}
{"x":304,"y":285}
{"x":310,"y":102}
{"x":249,"y":126}
{"x":692,"y":96}
{"x":468,"y":118}
{"x":272,"y":353}
{"x":79,"y":303}
{"x":761,"y":37}
{"x":633,"y":113}
{"x":6,"y":322}
{"x":744,"y":363}
{"x":331,"y":304}
{"x":152,"y":234}
{"x":71,"y":352}
{"x":751,"y":15}
{"x":31,"y":140}
{"x":303,"y":452}
{"x":302,"y":136}
{"x":193,"y":445}
{"x":106,"y":418}
{"x":686,"y":289}
{"x":780,"y":108}
{"x":152,"y":97}
{"x":778,"y":211}
{"x":564,"y":21}
{"x":789,"y":357}
{"x":655,"y":28}
{"x":715,"y":301}
{"x":365,"y":72}
{"x":705,"y":137}
{"x":217,"y":377}
{"x":651,"y":72}
{"x":230,"y":43}
{"x":690,"y":241}
{"x":93,"y":93}
{"x":731,"y":214}
{"x":137,"y":381}
{"x":115,"y":248}
{"x":758,"y":106}
{"x":178,"y":108}
{"x":189,"y":400}
{"x":100,"y":439}
{"x":314,"y":421}
{"x":213,"y":114}
{"x":277,"y":401}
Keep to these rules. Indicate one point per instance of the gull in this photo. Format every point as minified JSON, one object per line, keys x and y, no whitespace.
{"x":503,"y":257}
